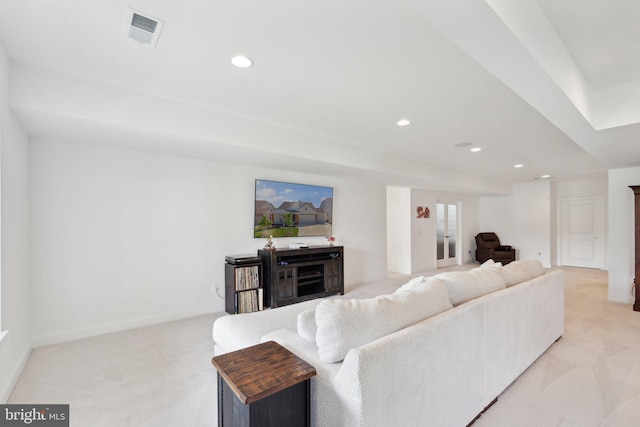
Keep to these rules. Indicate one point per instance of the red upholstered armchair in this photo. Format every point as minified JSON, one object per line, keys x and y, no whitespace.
{"x":489,"y":247}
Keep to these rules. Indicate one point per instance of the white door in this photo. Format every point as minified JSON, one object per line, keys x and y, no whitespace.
{"x":446,"y":234}
{"x":582,"y":232}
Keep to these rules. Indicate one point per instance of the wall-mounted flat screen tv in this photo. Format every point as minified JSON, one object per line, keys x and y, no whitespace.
{"x":284,"y":209}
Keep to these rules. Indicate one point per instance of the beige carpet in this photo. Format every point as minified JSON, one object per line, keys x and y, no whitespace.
{"x":162,"y":375}
{"x":154,"y":376}
{"x":591,"y":377}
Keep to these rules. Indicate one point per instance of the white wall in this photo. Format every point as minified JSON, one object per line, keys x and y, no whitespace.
{"x":621,"y":233}
{"x":521,"y":219}
{"x":125,"y":238}
{"x":423,"y":232}
{"x":412,"y":240}
{"x":533,"y":218}
{"x":582,"y":188}
{"x":399,"y":230}
{"x":470,"y":227}
{"x":15,"y":343}
{"x":554,"y":236}
{"x":527,"y":218}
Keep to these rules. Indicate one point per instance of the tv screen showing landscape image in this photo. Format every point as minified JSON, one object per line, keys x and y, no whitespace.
{"x":284,"y":209}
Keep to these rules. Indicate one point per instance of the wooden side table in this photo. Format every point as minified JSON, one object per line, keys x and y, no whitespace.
{"x":263,"y":386}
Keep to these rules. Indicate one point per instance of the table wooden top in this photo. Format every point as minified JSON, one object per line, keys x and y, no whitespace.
{"x":259,"y":371}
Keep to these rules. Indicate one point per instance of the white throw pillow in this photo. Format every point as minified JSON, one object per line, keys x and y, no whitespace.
{"x":426,"y":283}
{"x":520,"y":271}
{"x":344,"y":324}
{"x":488,"y":264}
{"x":467,"y":285}
{"x":307,"y":324}
{"x":411,"y":283}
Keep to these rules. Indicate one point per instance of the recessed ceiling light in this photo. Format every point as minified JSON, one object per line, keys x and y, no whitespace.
{"x":545,"y":176}
{"x":403,"y":122}
{"x":475,"y":149}
{"x":241,"y":61}
{"x":518,"y":166}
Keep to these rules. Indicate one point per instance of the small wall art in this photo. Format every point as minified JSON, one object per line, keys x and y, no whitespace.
{"x":423,"y":212}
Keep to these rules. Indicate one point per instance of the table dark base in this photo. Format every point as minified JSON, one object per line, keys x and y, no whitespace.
{"x":287,"y":408}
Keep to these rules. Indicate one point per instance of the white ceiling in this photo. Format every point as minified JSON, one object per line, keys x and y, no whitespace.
{"x":602,"y":36}
{"x":529,"y":82}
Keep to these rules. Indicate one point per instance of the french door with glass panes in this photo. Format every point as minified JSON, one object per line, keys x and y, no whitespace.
{"x":446,"y":234}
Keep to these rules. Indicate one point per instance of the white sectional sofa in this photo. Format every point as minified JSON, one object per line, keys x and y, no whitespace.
{"x":435,"y":352}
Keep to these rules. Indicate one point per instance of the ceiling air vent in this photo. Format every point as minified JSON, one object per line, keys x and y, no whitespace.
{"x":142,"y":28}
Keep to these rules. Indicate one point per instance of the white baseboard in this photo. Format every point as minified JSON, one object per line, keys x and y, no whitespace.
{"x":70,"y":335}
{"x":14,"y":375}
{"x":620,"y":297}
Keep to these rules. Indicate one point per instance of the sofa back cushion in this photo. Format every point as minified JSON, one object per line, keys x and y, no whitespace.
{"x":520,"y":271}
{"x":343,"y":324}
{"x":467,"y":285}
{"x":306,"y":324}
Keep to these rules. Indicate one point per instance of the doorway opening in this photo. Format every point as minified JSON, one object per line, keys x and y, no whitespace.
{"x":447,"y":232}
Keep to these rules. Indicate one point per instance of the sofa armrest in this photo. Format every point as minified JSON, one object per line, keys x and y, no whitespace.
{"x":330,"y":406}
{"x":304,"y":349}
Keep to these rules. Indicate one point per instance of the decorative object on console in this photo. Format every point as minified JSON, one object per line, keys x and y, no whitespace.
{"x":284,"y":209}
{"x":331,"y":240}
{"x":269,"y":245}
{"x":489,"y":247}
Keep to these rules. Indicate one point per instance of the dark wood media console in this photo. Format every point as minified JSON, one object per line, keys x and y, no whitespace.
{"x":295,"y":275}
